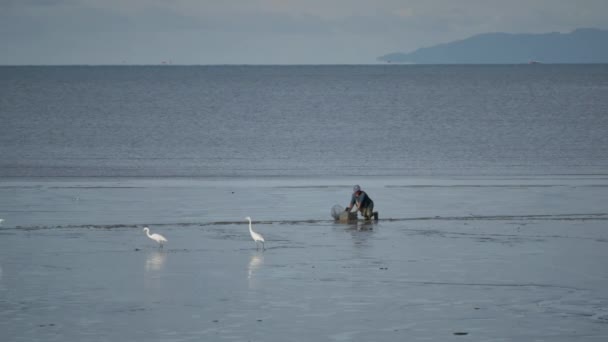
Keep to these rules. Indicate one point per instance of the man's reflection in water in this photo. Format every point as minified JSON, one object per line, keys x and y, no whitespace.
{"x":361,"y":233}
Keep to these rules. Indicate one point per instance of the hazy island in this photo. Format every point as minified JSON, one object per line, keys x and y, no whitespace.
{"x":586,"y":45}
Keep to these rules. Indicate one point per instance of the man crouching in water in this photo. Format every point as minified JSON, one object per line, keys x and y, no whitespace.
{"x":364,"y":204}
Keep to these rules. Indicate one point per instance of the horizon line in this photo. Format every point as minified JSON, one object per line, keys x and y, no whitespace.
{"x":285,"y":65}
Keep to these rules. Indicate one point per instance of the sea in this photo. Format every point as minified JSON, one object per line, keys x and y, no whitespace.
{"x":311,"y":121}
{"x":491,"y":184}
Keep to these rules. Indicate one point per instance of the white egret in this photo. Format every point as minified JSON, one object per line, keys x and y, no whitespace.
{"x":156,"y":237}
{"x":255,"y":236}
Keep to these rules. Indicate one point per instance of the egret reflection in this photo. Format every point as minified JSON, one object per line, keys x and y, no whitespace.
{"x":255,"y":263}
{"x":155,"y":261}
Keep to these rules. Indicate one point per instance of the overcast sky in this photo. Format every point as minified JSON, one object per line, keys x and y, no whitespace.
{"x":265,"y":31}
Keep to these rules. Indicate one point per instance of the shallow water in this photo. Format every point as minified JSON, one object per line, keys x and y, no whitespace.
{"x":495,"y":258}
{"x":100,"y":202}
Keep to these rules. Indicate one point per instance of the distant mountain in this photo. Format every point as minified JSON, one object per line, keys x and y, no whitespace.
{"x":580,"y":46}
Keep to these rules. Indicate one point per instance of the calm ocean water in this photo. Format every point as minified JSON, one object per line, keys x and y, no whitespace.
{"x":491,"y":183}
{"x":303,"y":120}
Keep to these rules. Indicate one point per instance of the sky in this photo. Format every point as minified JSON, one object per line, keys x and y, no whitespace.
{"x":189,"y":32}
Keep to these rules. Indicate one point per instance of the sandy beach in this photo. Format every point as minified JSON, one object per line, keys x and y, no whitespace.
{"x":483,"y":259}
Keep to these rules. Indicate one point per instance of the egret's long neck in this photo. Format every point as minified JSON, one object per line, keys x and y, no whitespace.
{"x":250,"y":230}
{"x":148,"y":233}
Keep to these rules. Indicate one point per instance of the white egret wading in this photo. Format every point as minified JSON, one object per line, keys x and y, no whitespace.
{"x":156,"y":237}
{"x":255,"y":236}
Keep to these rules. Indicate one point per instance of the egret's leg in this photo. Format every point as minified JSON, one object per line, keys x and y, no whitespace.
{"x":263,"y":246}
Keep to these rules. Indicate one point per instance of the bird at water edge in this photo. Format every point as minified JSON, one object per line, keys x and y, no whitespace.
{"x":156,"y":237}
{"x":255,"y":236}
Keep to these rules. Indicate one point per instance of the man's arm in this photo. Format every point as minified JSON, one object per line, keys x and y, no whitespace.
{"x":352,"y":202}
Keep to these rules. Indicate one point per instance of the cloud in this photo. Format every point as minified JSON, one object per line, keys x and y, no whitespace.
{"x":63,"y":19}
{"x":33,"y":3}
{"x":268,"y":22}
{"x":403,"y":12}
{"x":85,"y":18}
